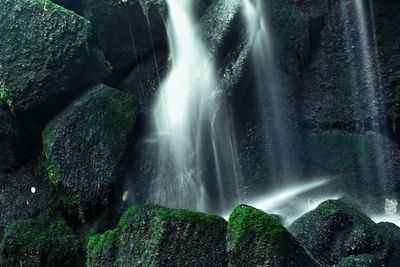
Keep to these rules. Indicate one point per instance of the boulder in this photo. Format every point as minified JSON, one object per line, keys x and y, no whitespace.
{"x":38,"y":242}
{"x":255,"y":238}
{"x":85,"y":145}
{"x":25,"y":193}
{"x":337,"y":229}
{"x":45,"y":51}
{"x":127,"y":31}
{"x":143,"y":81}
{"x":156,"y":236}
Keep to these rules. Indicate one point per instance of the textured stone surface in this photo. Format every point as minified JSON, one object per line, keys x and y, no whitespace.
{"x":155,"y":236}
{"x":337,"y":229}
{"x":255,"y":238}
{"x":86,"y":143}
{"x":38,"y":242}
{"x":45,"y":50}
{"x":127,"y":31}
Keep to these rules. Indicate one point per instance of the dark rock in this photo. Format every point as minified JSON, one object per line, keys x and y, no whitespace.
{"x":45,"y":51}
{"x":255,"y":238}
{"x":357,"y":162}
{"x":143,"y":82}
{"x":392,"y":233}
{"x":158,"y":236}
{"x":350,"y":75}
{"x":38,"y":242}
{"x":337,"y":229}
{"x":85,"y":144}
{"x":16,"y":198}
{"x":389,"y":51}
{"x":128,"y":31}
{"x":14,"y":142}
{"x":363,"y":260}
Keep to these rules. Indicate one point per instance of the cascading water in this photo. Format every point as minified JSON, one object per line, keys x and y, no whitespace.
{"x":181,"y":112}
{"x":273,"y":96}
{"x":195,"y":146}
{"x":366,"y":81}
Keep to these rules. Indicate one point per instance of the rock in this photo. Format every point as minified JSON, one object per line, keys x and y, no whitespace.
{"x":255,"y":238}
{"x":363,"y":260}
{"x":25,"y":193}
{"x":155,"y":236}
{"x":45,"y":51}
{"x":101,"y":249}
{"x":38,"y":242}
{"x":337,"y":229}
{"x":339,"y":89}
{"x":127,"y":31}
{"x":388,"y":46}
{"x":143,"y":82}
{"x":392,"y":233}
{"x":85,"y":144}
{"x":14,"y":142}
{"x":358,"y":162}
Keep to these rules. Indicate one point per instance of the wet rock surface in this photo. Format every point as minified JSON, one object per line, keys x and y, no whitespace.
{"x":85,"y":144}
{"x":45,"y":51}
{"x":338,"y":231}
{"x":255,"y":238}
{"x":156,"y":236}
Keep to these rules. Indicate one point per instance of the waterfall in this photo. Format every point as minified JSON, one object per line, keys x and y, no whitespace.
{"x":193,"y":131}
{"x":366,"y":81}
{"x":181,"y":111}
{"x":274,"y":96}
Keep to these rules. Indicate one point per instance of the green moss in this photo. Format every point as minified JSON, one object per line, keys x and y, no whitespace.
{"x":37,"y":241}
{"x":52,"y":172}
{"x":246,"y":220}
{"x":362,"y":260}
{"x":101,"y":249}
{"x":164,"y":213}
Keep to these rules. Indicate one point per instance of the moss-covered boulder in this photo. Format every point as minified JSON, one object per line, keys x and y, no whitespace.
{"x":38,"y":242}
{"x":45,"y":50}
{"x":102,"y":249}
{"x":156,"y":236}
{"x":85,"y":145}
{"x":255,"y":238}
{"x":337,"y":229}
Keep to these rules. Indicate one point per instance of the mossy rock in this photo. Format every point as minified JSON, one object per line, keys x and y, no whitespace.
{"x":337,"y":229}
{"x":102,"y":249}
{"x":45,"y":51}
{"x":363,"y":260}
{"x":39,"y":242}
{"x":84,"y":146}
{"x":156,"y":236}
{"x":255,"y":238}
